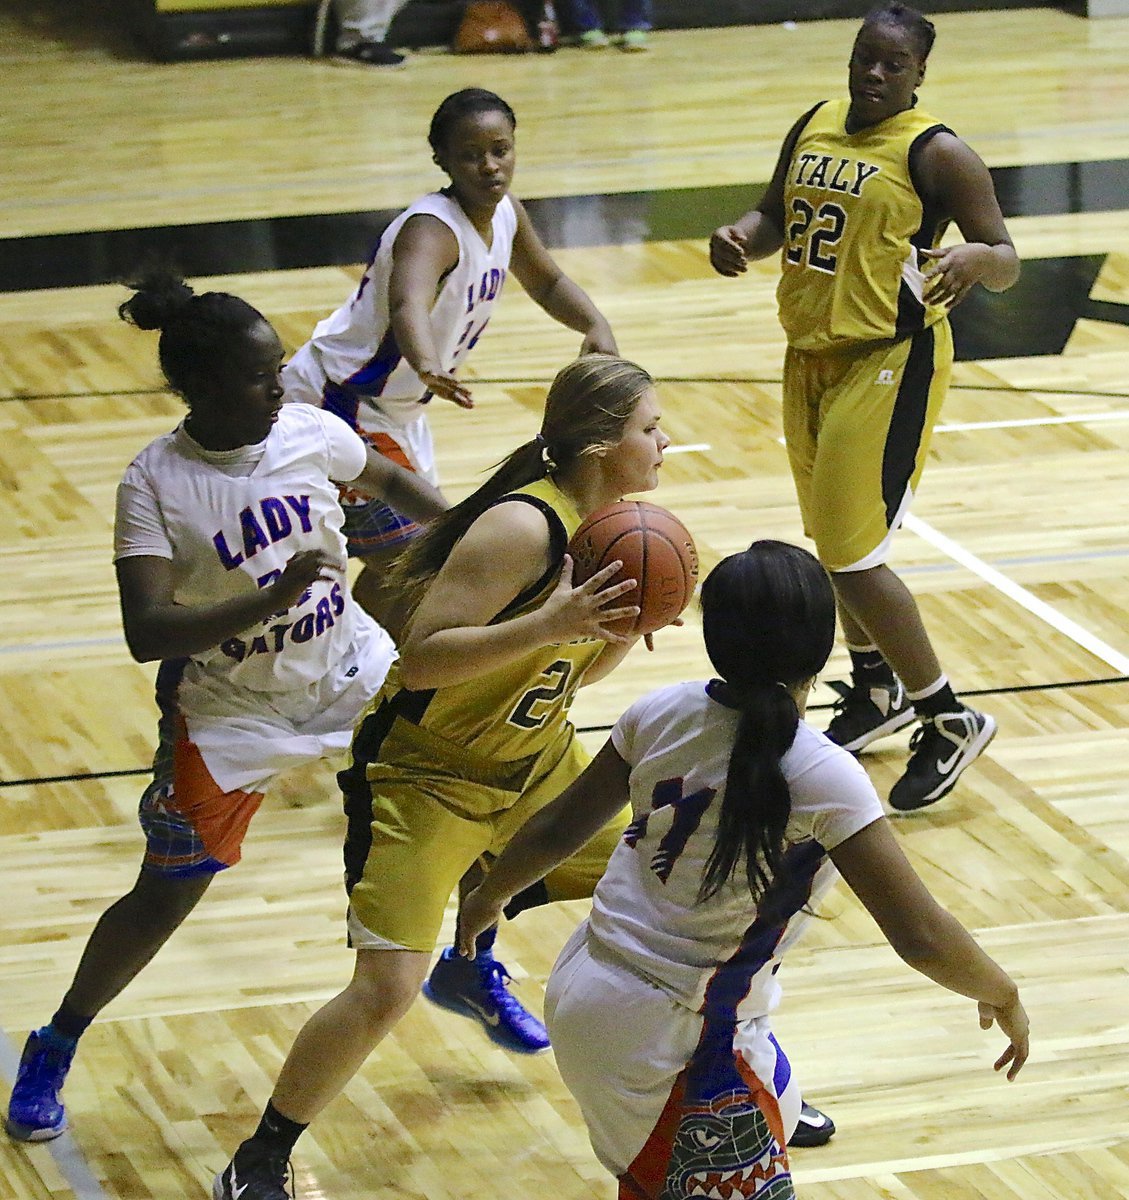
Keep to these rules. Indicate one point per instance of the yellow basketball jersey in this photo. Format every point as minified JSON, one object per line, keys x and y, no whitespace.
{"x":520,"y":709}
{"x":854,"y":222}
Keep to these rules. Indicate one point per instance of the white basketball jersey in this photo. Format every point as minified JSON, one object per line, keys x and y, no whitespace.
{"x":721,"y":955}
{"x":228,"y":533}
{"x":356,"y":348}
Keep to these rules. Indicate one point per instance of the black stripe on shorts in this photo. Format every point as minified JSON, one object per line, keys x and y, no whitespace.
{"x":907,"y":423}
{"x":353,"y":781}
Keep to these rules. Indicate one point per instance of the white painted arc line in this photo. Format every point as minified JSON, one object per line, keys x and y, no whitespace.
{"x":1025,"y":599}
{"x":689,"y":448}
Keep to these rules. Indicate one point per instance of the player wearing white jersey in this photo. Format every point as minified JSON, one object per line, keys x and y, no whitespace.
{"x":286,"y":689}
{"x":230,"y":563}
{"x":353,"y":364}
{"x":659,"y":1004}
{"x":421,"y":306}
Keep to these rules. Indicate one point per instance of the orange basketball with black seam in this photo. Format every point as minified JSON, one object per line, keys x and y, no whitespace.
{"x":656,"y":550}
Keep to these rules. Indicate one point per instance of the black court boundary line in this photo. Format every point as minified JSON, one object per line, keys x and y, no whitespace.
{"x":1016,"y":689}
{"x":501,"y":380}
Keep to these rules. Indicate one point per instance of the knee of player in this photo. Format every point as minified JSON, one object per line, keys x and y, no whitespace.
{"x":384,"y":985}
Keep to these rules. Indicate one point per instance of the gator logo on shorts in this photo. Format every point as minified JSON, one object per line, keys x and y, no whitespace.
{"x":725,"y":1148}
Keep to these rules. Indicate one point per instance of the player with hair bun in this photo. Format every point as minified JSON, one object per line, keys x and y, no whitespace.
{"x":659,"y":1005}
{"x":231,"y":570}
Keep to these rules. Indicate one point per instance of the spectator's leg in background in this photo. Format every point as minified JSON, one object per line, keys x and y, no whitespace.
{"x":361,"y":22}
{"x":637,"y":14}
{"x":587,"y":20}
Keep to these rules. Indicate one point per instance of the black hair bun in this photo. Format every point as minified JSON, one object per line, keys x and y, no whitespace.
{"x":157,"y":300}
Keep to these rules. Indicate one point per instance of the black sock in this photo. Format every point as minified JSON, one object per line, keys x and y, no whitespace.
{"x":484,"y":943}
{"x":276,"y":1133}
{"x":532,"y":897}
{"x":943,"y":700}
{"x":68,"y":1023}
{"x":868,"y":667}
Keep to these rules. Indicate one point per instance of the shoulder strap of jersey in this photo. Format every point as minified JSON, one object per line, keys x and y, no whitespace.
{"x":803,"y":122}
{"x":558,"y":542}
{"x":931,"y":219}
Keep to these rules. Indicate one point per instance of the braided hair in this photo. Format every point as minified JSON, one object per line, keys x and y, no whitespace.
{"x":920,"y":29}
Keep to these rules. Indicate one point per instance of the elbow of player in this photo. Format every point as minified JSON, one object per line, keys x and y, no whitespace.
{"x":1007,"y":274}
{"x":417,"y":675}
{"x":143,"y":649}
{"x":918,"y":946}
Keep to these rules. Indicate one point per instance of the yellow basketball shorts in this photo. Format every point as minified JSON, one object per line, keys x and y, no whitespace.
{"x":427,"y":810}
{"x":857,"y":425}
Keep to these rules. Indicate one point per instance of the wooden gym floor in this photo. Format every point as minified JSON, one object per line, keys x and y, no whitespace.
{"x":1017,"y":549}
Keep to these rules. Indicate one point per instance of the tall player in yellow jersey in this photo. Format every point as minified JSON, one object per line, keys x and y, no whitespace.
{"x":859,"y":199}
{"x":471,"y":735}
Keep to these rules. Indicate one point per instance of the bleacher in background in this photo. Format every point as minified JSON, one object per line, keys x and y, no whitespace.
{"x":181,"y":29}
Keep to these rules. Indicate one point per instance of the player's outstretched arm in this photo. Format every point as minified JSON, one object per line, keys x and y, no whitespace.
{"x":405,"y":491}
{"x":760,"y":232}
{"x":929,"y":938}
{"x":425,"y":252}
{"x":546,"y":840}
{"x":561,"y":297}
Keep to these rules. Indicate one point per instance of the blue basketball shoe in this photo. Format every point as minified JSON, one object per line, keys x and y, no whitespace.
{"x":477,"y":988}
{"x":35,"y":1112}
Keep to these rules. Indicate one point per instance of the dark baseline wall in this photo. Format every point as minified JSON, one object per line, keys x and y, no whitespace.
{"x":211,"y":31}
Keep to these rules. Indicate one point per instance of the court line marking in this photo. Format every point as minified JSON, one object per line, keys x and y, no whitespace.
{"x":1063,"y":624}
{"x":72,"y":644}
{"x":1026,"y":599}
{"x":908,"y":571}
{"x":759,"y":380}
{"x":1021,"y":422}
{"x":819,"y":706}
{"x":1020,"y":595}
{"x":1115,"y":417}
{"x":64,"y":1149}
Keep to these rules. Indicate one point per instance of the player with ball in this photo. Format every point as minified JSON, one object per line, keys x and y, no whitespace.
{"x":471,"y":736}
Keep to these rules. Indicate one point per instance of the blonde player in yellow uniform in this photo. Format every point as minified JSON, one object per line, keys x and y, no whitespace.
{"x":470,"y":736}
{"x":862,"y":192}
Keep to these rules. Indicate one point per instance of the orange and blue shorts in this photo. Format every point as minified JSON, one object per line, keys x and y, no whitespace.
{"x":191,"y":826}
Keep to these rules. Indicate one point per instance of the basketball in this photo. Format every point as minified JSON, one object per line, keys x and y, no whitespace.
{"x":656,"y":550}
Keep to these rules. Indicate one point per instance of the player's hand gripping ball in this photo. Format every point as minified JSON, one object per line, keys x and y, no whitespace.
{"x":656,"y":550}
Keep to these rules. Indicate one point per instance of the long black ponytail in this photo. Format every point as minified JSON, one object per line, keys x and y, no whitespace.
{"x":768,"y":616}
